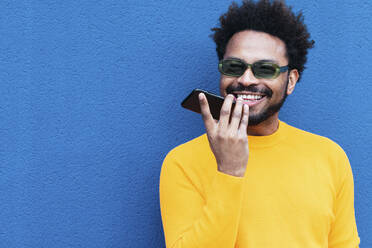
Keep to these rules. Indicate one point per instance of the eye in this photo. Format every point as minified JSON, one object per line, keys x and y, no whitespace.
{"x":233,"y":66}
{"x":266,"y":68}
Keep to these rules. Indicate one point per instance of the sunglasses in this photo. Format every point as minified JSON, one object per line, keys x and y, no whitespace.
{"x":260,"y":69}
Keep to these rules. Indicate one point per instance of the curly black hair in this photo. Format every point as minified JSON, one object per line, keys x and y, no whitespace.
{"x":272,"y":17}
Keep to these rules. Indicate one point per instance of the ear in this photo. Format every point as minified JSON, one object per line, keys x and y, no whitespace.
{"x":292,"y":80}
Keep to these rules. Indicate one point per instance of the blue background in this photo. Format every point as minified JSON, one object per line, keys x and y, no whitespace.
{"x":90,"y":105}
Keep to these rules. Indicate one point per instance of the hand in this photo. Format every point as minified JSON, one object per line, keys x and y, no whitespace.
{"x":228,"y":141}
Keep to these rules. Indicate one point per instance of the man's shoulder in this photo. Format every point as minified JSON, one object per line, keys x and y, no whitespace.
{"x":193,"y":158}
{"x":300,"y":137}
{"x":191,"y":149}
{"x":325,"y":152}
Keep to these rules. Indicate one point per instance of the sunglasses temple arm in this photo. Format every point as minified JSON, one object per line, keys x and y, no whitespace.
{"x":283,"y":68}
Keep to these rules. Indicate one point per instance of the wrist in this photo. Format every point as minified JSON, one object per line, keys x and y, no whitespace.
{"x":232,"y":172}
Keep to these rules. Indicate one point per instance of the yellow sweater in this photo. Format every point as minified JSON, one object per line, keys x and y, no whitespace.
{"x":297,"y":192}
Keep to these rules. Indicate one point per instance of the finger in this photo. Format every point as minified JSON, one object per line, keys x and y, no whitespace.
{"x":236,"y":115}
{"x":206,"y":113}
{"x":245,"y":119}
{"x":225,"y":111}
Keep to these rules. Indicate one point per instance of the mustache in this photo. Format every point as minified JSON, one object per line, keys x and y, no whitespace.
{"x":252,"y":88}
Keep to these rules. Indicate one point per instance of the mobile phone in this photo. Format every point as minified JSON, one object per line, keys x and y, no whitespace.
{"x":215,"y":102}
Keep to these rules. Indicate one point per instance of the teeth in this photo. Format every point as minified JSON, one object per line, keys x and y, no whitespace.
{"x":250,"y":97}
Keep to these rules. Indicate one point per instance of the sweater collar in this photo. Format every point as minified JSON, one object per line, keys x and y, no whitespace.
{"x":268,"y":140}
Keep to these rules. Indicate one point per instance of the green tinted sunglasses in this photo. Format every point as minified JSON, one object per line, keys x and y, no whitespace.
{"x":260,"y":69}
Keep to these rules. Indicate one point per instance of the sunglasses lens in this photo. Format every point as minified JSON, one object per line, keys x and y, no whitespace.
{"x":261,"y":69}
{"x":265,"y":70}
{"x":232,"y":67}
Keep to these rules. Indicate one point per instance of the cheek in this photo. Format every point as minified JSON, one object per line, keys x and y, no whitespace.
{"x":224,"y":83}
{"x":279,"y":87}
{"x":279,"y":92}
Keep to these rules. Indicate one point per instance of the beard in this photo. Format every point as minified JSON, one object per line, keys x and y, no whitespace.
{"x":257,"y":118}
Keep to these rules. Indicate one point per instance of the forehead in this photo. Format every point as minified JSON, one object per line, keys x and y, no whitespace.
{"x":252,"y":46}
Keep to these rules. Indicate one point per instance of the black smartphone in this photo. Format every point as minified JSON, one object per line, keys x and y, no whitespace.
{"x":215,"y":102}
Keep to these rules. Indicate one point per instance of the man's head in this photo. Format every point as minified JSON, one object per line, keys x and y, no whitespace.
{"x":262,"y":31}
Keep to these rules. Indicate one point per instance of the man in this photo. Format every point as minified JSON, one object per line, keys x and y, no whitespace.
{"x":253,"y":180}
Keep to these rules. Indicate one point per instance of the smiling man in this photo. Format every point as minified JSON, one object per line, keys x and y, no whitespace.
{"x":253,"y":180}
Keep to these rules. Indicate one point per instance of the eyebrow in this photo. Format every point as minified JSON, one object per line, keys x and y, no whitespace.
{"x":269,"y":60}
{"x":261,"y":60}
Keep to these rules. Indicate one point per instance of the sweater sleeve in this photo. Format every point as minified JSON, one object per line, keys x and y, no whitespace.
{"x":191,"y":219}
{"x":343,"y":233}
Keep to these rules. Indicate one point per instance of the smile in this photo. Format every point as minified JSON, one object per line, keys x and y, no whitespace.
{"x":250,"y":99}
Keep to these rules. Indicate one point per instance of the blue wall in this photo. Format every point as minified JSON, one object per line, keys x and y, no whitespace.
{"x":90,"y":105}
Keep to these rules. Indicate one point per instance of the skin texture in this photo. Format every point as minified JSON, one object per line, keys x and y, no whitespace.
{"x":228,"y":139}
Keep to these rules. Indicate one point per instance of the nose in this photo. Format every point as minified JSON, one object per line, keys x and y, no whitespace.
{"x":247,"y":78}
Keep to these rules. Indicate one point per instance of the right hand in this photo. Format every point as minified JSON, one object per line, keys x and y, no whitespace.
{"x":228,"y":141}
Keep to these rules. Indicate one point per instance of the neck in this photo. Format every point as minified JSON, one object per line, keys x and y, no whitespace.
{"x":266,"y":127}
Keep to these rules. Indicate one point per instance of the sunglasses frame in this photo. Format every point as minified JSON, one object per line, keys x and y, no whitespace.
{"x":278,"y":69}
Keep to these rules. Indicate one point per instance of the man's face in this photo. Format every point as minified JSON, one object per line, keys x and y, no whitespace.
{"x":252,"y":46}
